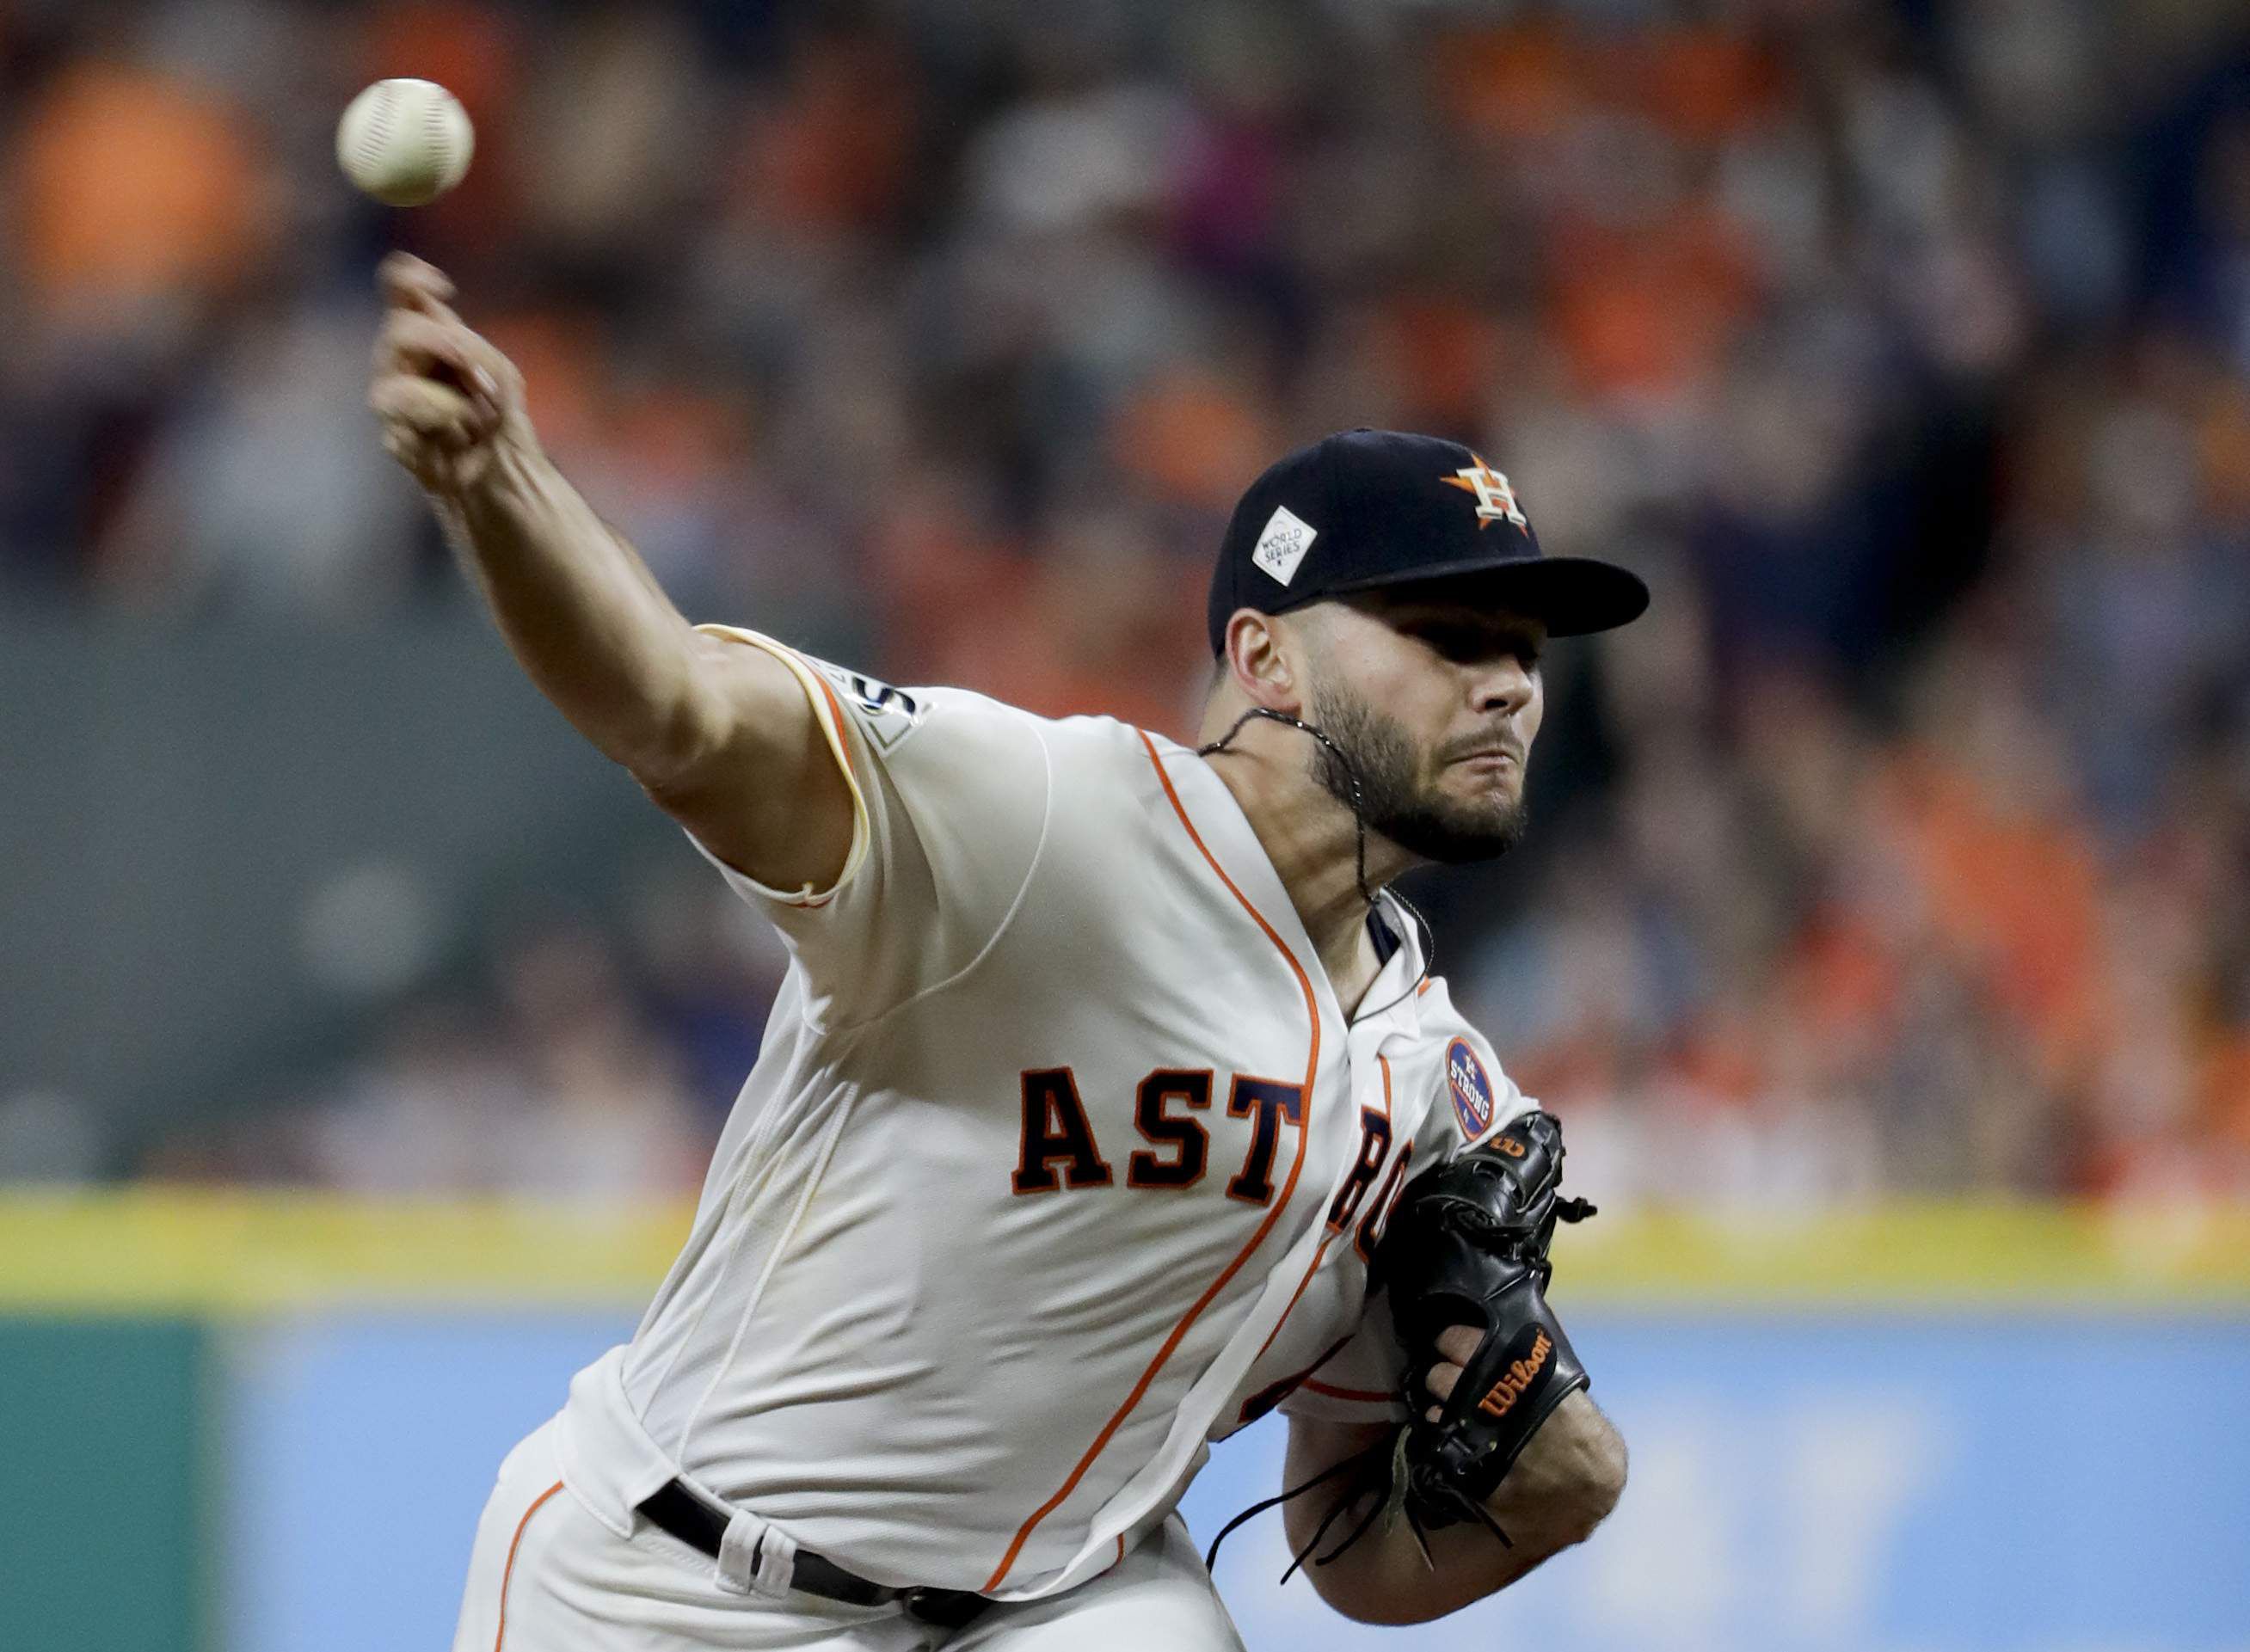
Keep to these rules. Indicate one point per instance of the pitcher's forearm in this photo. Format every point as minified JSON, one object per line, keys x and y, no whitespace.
{"x":578,"y":607}
{"x":1564,"y":1484}
{"x":576,"y":604}
{"x":1384,"y":1578}
{"x":726,"y":738}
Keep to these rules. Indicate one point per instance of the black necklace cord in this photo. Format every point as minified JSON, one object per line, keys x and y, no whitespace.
{"x":1359,"y":820}
{"x":1350,"y":774}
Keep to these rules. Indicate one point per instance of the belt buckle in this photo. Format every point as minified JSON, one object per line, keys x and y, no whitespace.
{"x":945,"y":1609}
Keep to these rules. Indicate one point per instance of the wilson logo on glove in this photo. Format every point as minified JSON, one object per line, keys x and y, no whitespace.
{"x":1517,"y":1379}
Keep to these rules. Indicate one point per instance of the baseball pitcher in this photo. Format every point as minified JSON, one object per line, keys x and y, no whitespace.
{"x":1108,"y":1102}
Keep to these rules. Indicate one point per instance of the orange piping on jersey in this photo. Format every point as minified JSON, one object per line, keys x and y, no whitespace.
{"x":1425,"y":987}
{"x":513,"y":1543}
{"x":1298,"y":1292}
{"x":1383,"y":1062}
{"x":1318,"y":1386}
{"x":851,"y":771}
{"x":1275,"y":1393}
{"x":1210,"y":1293}
{"x":841,"y":733}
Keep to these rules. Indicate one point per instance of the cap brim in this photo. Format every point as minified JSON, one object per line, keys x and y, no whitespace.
{"x":1571,"y":596}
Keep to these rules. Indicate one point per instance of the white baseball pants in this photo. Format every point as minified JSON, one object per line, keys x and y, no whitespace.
{"x":546,"y":1576}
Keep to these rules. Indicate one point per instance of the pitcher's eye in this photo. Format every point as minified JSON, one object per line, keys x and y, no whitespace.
{"x":1457,"y":643}
{"x":1472,"y":644}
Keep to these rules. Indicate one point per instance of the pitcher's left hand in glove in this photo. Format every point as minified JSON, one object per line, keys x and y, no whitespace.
{"x":1467,"y":1247}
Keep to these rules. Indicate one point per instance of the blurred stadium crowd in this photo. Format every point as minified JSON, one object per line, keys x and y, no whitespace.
{"x":1904,"y":345}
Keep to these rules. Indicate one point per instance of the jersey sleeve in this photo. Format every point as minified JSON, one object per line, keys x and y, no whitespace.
{"x":951,"y":793}
{"x":1476,"y":1099}
{"x":1360,"y":1381}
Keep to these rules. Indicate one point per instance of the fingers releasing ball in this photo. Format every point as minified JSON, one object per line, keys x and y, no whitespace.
{"x":405,"y":143}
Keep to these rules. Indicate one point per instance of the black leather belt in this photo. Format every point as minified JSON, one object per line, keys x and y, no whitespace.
{"x":697,"y":1523}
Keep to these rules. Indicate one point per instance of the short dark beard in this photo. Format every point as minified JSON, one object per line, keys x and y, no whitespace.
{"x":1418,"y":817}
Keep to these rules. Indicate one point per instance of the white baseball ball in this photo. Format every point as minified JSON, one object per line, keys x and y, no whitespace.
{"x":405,"y":143}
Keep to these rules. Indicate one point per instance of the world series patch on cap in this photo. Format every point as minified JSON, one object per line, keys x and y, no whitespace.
{"x":1367,"y":509}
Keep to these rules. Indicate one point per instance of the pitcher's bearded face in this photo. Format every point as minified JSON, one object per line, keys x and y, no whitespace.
{"x":1436,"y":705}
{"x":1403,"y":790}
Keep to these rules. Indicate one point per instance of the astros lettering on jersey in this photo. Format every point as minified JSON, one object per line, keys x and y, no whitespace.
{"x":1059,"y":1161}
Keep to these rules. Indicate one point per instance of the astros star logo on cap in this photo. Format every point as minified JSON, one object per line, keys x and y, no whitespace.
{"x":1495,"y":499}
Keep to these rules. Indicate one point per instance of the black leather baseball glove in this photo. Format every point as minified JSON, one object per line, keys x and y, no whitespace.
{"x":1468,"y":1246}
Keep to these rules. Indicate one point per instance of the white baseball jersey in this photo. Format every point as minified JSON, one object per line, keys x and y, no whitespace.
{"x":1059,"y":1161}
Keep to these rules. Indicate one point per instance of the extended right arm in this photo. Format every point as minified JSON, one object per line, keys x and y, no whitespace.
{"x":720,"y":735}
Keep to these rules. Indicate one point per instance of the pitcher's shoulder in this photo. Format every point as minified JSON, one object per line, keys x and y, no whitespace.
{"x":1095,"y":745}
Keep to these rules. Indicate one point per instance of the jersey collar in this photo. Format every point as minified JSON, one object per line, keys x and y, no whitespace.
{"x":1211,"y":802}
{"x":1395,"y":998}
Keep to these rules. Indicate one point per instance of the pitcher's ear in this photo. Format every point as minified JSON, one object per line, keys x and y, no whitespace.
{"x":1262,"y":661}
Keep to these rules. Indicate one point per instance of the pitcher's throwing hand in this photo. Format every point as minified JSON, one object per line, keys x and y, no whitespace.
{"x":448,"y":401}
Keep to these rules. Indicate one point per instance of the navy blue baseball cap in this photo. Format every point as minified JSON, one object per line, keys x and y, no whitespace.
{"x":1365,"y":510}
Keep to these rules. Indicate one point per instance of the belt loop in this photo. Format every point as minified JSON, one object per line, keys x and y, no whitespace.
{"x":738,"y":1552}
{"x":756,"y":1556}
{"x":775,"y":1563}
